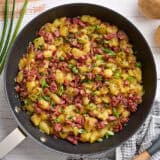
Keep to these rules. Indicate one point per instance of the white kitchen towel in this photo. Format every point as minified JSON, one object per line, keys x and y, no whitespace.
{"x":142,"y":140}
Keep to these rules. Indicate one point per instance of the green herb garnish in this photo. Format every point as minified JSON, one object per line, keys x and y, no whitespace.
{"x":75,"y":70}
{"x":81,"y":131}
{"x":46,"y":98}
{"x":117,"y":74}
{"x":99,"y":56}
{"x":109,"y":52}
{"x":106,"y":42}
{"x":138,"y":64}
{"x":44,"y":83}
{"x":115,"y":113}
{"x":97,"y":27}
{"x":70,"y":66}
{"x":130,"y":78}
{"x":60,"y":90}
{"x":70,"y":117}
{"x":61,"y":58}
{"x":106,"y":105}
{"x":99,"y":140}
{"x":98,"y":77}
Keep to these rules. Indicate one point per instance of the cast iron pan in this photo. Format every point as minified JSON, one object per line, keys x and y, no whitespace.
{"x":143,"y":54}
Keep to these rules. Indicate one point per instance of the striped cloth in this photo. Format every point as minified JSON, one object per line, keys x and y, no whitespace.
{"x":142,"y":140}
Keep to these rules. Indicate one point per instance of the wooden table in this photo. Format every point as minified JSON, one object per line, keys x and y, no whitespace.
{"x":29,"y":150}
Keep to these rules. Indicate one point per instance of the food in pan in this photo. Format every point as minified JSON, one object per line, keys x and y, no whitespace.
{"x":79,"y":79}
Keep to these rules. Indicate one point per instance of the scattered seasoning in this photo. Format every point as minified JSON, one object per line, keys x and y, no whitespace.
{"x":44,"y":83}
{"x":115,"y":113}
{"x":109,"y":52}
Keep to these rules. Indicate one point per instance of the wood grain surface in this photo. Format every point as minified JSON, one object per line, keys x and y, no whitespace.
{"x":29,"y":150}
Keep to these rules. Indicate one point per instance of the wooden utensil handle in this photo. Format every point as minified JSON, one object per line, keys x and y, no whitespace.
{"x":143,"y":156}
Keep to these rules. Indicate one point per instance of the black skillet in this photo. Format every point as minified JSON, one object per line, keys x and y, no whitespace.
{"x":144,"y":55}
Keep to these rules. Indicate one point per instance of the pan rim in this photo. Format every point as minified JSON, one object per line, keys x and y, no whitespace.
{"x":21,"y":125}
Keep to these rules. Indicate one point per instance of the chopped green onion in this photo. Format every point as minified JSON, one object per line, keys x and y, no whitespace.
{"x":70,"y":66}
{"x":109,"y":52}
{"x":76,"y":110}
{"x":56,"y":120}
{"x":110,"y":133}
{"x":99,"y":56}
{"x":81,"y":131}
{"x":115,"y":113}
{"x":47,"y":98}
{"x":97,"y":27}
{"x":75,"y":70}
{"x":98,"y":77}
{"x":117,"y":74}
{"x":99,"y":140}
{"x":130,"y":78}
{"x":106,"y":105}
{"x":61,"y":90}
{"x":106,"y":42}
{"x":44,"y":83}
{"x":5,"y":24}
{"x":70,"y":117}
{"x":61,"y":58}
{"x":138,"y":64}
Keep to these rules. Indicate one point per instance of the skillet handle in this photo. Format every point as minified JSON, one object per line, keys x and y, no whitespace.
{"x":11,"y":141}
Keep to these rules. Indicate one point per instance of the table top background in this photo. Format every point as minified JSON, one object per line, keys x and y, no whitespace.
{"x":29,"y":150}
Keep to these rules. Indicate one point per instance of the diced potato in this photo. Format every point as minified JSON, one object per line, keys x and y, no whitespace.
{"x":83,"y":69}
{"x":106,"y":99}
{"x":94,"y":136}
{"x":89,"y":19}
{"x":108,"y":73}
{"x":35,"y":119}
{"x":85,"y":100}
{"x":77,"y":52}
{"x":43,"y":104}
{"x":56,"y":23}
{"x":69,"y":109}
{"x":39,"y":42}
{"x":103,"y":90}
{"x":55,"y":98}
{"x":44,"y":116}
{"x":44,"y":127}
{"x":69,"y":77}
{"x":90,"y":123}
{"x":64,"y":31}
{"x":22,"y":63}
{"x":19,"y":77}
{"x":102,"y":29}
{"x":30,"y":85}
{"x":63,"y":135}
{"x":125,"y":114}
{"x":85,"y":137}
{"x":97,"y":70}
{"x":51,"y":47}
{"x":59,"y":76}
{"x":114,"y":88}
{"x":61,"y":118}
{"x":47,"y":53}
{"x":113,"y":42}
{"x":112,"y":29}
{"x":73,"y":28}
{"x":29,"y":108}
{"x":83,"y":39}
{"x":75,"y":131}
{"x":86,"y":48}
